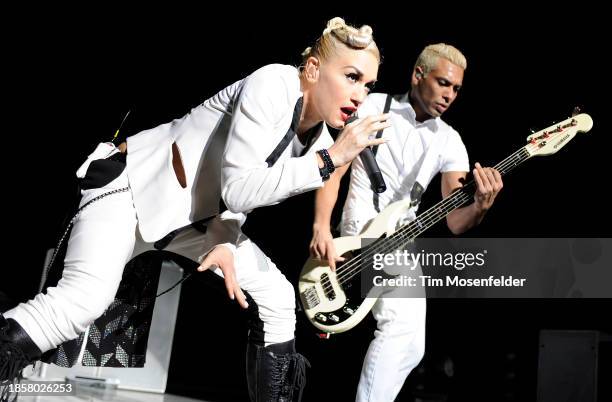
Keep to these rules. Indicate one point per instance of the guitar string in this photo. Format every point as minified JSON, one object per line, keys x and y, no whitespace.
{"x":407,"y":233}
{"x":404,"y":235}
{"x":354,"y":265}
{"x":423,"y":222}
{"x":428,"y":218}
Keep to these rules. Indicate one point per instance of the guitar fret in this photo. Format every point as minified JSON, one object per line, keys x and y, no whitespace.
{"x":446,"y":206}
{"x":389,"y":243}
{"x":433,"y":215}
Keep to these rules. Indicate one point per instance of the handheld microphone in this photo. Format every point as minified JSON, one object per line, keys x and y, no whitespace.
{"x":370,"y":164}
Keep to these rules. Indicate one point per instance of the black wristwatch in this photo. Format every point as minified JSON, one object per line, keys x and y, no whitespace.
{"x":328,"y":165}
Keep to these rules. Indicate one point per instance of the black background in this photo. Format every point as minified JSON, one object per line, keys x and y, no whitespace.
{"x":71,"y":75}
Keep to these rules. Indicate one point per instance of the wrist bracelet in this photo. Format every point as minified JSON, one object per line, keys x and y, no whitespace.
{"x":328,"y":165}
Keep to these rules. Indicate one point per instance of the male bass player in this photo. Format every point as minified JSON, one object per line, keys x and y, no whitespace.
{"x":420,"y":144}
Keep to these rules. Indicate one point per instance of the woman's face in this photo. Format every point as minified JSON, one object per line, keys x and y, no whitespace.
{"x":343,"y":82}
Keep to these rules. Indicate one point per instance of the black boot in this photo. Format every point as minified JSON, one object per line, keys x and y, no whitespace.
{"x":17,"y":350}
{"x":276,"y":372}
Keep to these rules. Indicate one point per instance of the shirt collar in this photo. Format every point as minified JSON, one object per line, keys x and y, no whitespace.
{"x":433,"y":123}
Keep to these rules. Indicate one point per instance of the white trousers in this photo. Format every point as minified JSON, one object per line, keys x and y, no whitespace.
{"x":105,"y":237}
{"x":398,"y":346}
{"x":399,"y":339}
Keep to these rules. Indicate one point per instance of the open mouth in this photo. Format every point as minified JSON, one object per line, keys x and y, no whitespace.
{"x":347,"y":112}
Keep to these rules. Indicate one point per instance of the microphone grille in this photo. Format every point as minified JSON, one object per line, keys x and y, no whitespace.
{"x":351,"y":118}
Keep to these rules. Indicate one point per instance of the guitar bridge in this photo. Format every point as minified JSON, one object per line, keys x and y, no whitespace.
{"x":311,"y":298}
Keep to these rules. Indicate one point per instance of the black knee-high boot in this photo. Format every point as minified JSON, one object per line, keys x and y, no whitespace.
{"x":17,"y":350}
{"x":276,"y":372}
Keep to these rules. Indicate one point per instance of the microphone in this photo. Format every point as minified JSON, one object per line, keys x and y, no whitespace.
{"x":370,"y":164}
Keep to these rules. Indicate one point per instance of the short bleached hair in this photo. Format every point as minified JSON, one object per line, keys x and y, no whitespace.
{"x":428,"y":59}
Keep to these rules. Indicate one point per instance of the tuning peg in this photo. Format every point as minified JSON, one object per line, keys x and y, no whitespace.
{"x":576,"y":111}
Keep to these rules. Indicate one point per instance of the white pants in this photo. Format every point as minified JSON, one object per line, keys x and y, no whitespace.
{"x":399,"y":340}
{"x":398,"y":346}
{"x":105,"y":237}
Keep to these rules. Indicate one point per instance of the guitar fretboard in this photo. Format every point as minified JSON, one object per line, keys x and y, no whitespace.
{"x":459,"y":198}
{"x":427,"y":219}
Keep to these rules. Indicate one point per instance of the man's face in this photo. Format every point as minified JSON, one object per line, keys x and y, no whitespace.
{"x":435,"y":92}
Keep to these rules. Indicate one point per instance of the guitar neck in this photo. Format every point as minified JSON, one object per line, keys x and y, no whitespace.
{"x":459,"y":198}
{"x":544,"y":142}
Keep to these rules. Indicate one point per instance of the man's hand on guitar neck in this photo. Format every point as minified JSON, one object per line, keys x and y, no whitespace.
{"x":489,"y":183}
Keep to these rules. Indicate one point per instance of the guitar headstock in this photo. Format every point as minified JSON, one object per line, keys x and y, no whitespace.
{"x":553,"y":138}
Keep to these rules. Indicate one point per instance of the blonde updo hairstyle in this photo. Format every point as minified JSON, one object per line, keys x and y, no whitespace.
{"x":338,"y":35}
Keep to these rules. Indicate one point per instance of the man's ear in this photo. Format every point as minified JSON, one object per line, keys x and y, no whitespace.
{"x":417,"y":75}
{"x":311,"y":69}
{"x":418,"y":72}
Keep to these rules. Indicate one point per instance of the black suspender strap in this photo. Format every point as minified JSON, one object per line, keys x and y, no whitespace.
{"x":376,"y":197}
{"x":282,"y":145}
{"x":280,"y":148}
{"x":270,"y":160}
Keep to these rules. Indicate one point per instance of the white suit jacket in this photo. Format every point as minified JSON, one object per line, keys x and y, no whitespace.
{"x":223,"y":145}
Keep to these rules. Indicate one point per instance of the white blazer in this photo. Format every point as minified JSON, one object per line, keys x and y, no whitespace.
{"x":223,"y":144}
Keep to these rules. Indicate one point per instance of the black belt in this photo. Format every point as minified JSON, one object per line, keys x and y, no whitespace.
{"x":200,"y":226}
